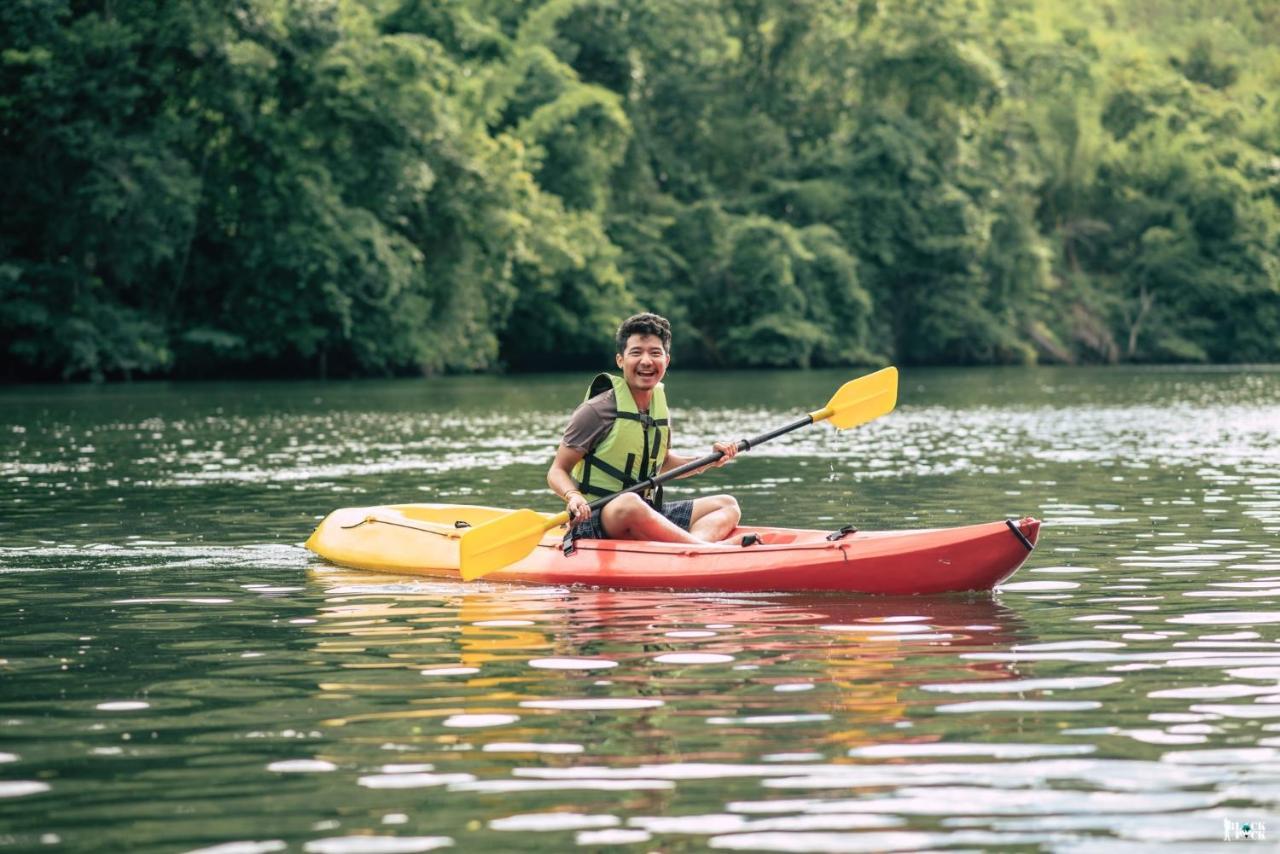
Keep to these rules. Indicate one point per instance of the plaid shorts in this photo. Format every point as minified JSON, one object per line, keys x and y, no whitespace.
{"x":679,"y":512}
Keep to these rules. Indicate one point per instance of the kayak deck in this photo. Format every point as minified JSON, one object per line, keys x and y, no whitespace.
{"x":422,"y":539}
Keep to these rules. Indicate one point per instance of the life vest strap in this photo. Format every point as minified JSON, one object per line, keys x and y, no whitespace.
{"x":591,"y":461}
{"x":644,"y":419}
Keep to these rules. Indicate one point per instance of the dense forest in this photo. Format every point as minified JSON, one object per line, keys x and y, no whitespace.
{"x":373,"y":187}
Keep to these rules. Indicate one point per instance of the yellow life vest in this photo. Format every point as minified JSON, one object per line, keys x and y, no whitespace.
{"x":634,"y":448}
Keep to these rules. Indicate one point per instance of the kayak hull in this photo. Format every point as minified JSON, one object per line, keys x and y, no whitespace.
{"x":422,"y":539}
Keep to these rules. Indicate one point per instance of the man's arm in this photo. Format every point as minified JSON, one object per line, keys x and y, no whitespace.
{"x":560,"y":479}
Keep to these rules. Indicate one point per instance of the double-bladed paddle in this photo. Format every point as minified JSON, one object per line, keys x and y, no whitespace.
{"x":489,"y":547}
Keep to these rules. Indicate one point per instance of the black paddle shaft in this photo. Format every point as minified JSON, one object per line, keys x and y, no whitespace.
{"x":713,"y":457}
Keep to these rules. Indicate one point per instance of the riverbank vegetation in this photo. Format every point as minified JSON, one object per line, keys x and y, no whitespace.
{"x":331,"y":187}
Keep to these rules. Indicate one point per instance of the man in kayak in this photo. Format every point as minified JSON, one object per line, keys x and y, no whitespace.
{"x":620,"y":435}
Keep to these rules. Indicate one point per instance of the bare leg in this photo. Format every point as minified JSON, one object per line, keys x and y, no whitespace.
{"x":627,"y":517}
{"x":714,"y":517}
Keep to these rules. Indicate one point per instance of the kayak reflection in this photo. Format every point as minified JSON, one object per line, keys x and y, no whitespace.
{"x":644,"y":674}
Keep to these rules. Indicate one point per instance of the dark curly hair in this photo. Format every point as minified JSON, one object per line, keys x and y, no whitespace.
{"x":644,"y":324}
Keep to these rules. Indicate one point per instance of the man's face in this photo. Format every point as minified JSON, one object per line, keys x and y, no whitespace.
{"x":643,"y":361}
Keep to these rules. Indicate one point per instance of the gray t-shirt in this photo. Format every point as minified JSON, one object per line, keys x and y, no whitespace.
{"x":591,"y":422}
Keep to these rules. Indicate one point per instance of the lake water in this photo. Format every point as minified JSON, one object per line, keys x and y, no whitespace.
{"x":177,"y":673}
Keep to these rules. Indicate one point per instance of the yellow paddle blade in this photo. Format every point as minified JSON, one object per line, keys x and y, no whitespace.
{"x":858,"y":401}
{"x":503,"y":541}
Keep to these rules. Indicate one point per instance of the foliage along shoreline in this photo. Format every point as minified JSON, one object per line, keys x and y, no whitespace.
{"x":338,"y":188}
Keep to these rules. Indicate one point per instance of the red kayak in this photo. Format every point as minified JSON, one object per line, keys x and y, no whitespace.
{"x":422,"y":539}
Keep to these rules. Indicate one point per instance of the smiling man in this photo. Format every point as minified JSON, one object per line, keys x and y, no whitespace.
{"x":620,"y":435}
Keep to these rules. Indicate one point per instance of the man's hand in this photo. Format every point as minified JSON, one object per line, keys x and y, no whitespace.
{"x":729,"y":449}
{"x":578,"y":508}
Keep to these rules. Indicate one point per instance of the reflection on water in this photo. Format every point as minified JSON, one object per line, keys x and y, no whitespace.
{"x":648,"y":696}
{"x":179,"y":674}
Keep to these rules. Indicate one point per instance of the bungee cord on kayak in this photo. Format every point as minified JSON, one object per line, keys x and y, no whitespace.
{"x":370,"y":520}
